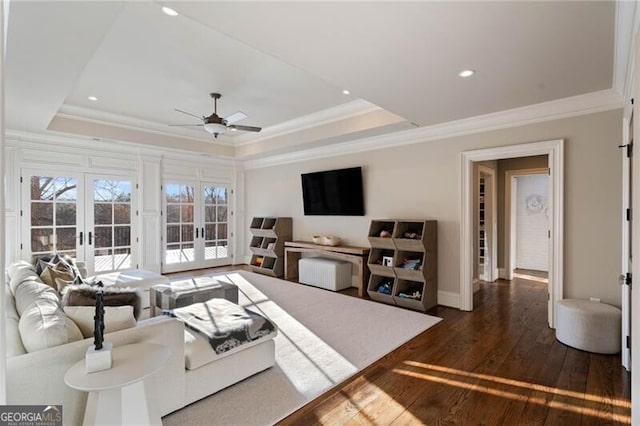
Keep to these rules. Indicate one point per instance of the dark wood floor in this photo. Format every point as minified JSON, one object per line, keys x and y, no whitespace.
{"x":497,"y":365}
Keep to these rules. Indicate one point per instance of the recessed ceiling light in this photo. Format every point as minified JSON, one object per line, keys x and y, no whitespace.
{"x":233,"y":129}
{"x":345,"y":92}
{"x":92,"y":98}
{"x":169,"y":11}
{"x":466,"y":73}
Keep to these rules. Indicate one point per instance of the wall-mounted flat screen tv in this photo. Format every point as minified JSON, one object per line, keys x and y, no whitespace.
{"x":333,"y":192}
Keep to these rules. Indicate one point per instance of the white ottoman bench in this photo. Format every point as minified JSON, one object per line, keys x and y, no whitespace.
{"x":138,"y":278}
{"x":590,"y":326}
{"x":325,"y":273}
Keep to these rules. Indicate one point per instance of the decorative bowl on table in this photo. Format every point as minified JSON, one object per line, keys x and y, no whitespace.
{"x":326,"y":240}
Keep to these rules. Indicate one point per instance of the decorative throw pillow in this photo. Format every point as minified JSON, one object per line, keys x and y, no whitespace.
{"x":61,"y":284}
{"x":62,"y":263}
{"x":49,"y":276}
{"x":115,"y":318}
{"x":41,"y":262}
{"x":85,"y":295}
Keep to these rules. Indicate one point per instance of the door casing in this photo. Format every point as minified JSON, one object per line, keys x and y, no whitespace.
{"x":555,"y":151}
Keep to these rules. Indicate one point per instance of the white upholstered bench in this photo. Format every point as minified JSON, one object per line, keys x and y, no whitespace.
{"x":329,"y":274}
{"x":590,"y":326}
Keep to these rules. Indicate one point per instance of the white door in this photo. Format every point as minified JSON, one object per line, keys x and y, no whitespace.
{"x":88,"y":217}
{"x":532,"y":222}
{"x":625,"y":277}
{"x":196,"y":225}
{"x":215,"y":234}
{"x":52,"y":214}
{"x":109,"y":223}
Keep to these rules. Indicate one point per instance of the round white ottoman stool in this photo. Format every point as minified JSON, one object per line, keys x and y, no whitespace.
{"x":590,"y":326}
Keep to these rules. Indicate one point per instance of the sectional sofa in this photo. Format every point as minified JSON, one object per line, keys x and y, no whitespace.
{"x":43,"y":343}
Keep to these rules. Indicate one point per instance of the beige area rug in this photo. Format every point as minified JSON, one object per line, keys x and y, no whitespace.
{"x":323,"y":339}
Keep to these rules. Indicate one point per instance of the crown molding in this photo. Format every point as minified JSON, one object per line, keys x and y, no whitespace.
{"x":588,"y":103}
{"x":89,"y":145}
{"x":116,"y":120}
{"x":326,"y":116}
{"x":82,"y":144}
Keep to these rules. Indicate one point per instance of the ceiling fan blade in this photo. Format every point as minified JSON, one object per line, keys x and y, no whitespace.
{"x":186,"y":125}
{"x":188,"y":113}
{"x":245,"y":128}
{"x":235,"y":117}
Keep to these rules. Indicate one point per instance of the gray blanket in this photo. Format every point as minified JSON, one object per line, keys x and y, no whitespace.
{"x":225,"y":324}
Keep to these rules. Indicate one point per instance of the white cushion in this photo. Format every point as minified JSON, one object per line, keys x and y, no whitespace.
{"x":14,"y":344}
{"x":139,"y":278}
{"x":44,"y":325}
{"x":20,"y":271}
{"x":31,"y":291}
{"x":11,"y":305}
{"x":198,"y":350}
{"x":115,"y":318}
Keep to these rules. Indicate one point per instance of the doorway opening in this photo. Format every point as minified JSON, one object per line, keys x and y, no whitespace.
{"x":485,"y":224}
{"x":528,"y":225}
{"x":554,"y":151}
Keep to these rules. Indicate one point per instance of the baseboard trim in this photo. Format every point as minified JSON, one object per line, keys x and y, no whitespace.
{"x":502,"y":273}
{"x":446,"y":298}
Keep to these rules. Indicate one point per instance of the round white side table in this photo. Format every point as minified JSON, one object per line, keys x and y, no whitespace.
{"x":117,"y":395}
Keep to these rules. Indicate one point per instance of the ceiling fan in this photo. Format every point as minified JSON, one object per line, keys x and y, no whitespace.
{"x":217,"y":125}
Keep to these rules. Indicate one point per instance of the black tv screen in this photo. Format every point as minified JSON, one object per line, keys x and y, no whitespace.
{"x":333,"y":192}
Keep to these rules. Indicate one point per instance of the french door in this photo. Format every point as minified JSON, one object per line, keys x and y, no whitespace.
{"x":196,"y":225}
{"x":110,"y":225}
{"x":88,"y":217}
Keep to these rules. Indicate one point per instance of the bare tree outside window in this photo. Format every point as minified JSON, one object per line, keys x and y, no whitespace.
{"x":53,"y":214}
{"x":54,"y":219}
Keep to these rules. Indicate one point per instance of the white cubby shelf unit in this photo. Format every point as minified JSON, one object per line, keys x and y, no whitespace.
{"x":404,"y":261}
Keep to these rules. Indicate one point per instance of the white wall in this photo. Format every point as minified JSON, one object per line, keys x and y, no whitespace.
{"x":423,"y":181}
{"x":532,"y":222}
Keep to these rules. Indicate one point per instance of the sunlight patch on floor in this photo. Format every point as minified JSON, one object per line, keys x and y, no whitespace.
{"x":525,"y":385}
{"x":313,"y":370}
{"x":456,"y":378}
{"x":544,"y":280}
{"x":360,"y":404}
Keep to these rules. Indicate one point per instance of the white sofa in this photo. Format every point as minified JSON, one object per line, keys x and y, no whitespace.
{"x":37,"y":377}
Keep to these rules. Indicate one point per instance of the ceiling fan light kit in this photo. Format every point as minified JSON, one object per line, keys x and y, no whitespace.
{"x":215,"y":128}
{"x":216,"y":125}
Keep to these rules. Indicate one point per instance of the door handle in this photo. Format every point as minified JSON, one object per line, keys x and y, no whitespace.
{"x":81,"y":238}
{"x":203,"y":235}
{"x":90,"y":237}
{"x":196,"y":232}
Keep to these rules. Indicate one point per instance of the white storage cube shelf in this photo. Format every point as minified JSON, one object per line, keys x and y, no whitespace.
{"x":329,"y":274}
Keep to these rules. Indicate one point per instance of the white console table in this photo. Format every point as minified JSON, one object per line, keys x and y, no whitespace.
{"x":117,"y":395}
